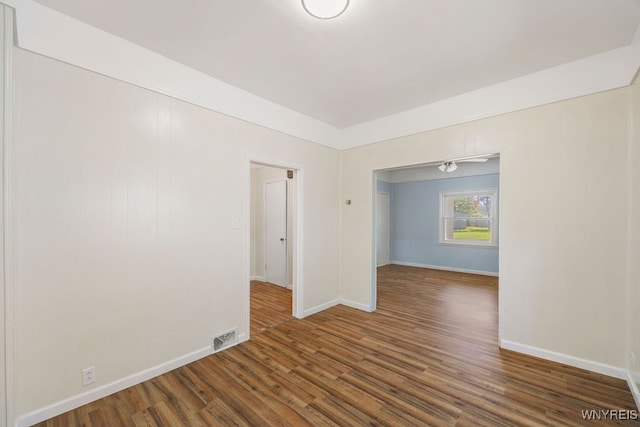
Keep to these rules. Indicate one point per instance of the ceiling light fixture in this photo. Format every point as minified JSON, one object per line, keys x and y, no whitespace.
{"x":325,"y":9}
{"x":448,"y":167}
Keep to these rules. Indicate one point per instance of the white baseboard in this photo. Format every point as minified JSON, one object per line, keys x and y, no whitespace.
{"x":262,"y":279}
{"x":438,"y":267}
{"x":357,"y":305}
{"x":633,"y":386}
{"x":329,"y":304}
{"x":76,"y":401}
{"x":566,"y":359}
{"x":243,"y":337}
{"x":319,"y":308}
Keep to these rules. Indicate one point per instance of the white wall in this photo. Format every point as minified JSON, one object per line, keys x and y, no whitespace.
{"x":43,"y":30}
{"x":4,"y":44}
{"x":125,"y":258}
{"x":563,"y":220}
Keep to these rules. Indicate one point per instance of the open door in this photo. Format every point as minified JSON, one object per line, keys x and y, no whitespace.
{"x":275,"y":215}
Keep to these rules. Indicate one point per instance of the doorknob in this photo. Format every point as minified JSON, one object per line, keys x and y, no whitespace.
{"x":282,"y":239}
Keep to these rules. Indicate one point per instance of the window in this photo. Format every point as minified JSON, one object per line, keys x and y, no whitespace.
{"x":469,"y":218}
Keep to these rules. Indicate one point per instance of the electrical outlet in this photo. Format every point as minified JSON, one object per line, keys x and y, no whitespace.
{"x":88,"y":376}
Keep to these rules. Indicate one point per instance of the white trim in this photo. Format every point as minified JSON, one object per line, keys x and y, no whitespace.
{"x":78,"y":400}
{"x":387,"y":260}
{"x":50,"y":33}
{"x":8,"y":279}
{"x":298,"y":245}
{"x":566,"y":359}
{"x":243,"y":337}
{"x":320,"y":307}
{"x":501,"y":254}
{"x":633,"y":386}
{"x":468,"y":244}
{"x":297,"y":287}
{"x":493,"y":218}
{"x":439,"y":267}
{"x":262,"y":279}
{"x":340,"y":301}
{"x":357,"y":305}
{"x":374,"y":248}
{"x":246,"y":297}
{"x":598,"y":73}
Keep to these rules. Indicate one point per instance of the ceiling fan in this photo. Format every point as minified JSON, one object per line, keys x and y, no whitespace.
{"x":450,"y":166}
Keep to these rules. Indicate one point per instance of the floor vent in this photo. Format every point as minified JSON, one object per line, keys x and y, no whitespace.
{"x":223,"y":341}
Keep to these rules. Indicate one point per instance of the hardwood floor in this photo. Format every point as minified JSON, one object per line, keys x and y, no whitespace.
{"x":270,"y":306}
{"x":427,"y":356}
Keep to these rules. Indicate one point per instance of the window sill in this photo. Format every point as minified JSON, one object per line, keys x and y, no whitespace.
{"x":468,"y":244}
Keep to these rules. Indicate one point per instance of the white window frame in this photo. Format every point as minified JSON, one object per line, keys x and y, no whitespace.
{"x":493,"y":218}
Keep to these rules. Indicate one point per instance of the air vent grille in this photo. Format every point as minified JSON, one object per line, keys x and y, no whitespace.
{"x":225,"y":340}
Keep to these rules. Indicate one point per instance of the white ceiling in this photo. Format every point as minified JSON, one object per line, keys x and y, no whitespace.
{"x":379,"y":58}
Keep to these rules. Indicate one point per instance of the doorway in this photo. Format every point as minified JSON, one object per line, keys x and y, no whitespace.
{"x":273,"y":243}
{"x":425,"y":231}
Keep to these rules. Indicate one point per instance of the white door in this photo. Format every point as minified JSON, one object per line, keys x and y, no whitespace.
{"x":382,"y":229}
{"x":275,"y":233}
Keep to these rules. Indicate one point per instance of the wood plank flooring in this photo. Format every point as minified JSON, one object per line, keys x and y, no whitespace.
{"x":427,"y":356}
{"x":270,"y":306}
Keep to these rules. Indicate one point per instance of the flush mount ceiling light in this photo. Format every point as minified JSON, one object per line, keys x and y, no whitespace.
{"x":325,"y":9}
{"x":450,"y":166}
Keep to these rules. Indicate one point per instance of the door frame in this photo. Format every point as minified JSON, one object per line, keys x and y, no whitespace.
{"x":388,"y":258}
{"x":374,"y":191}
{"x":264,"y":226}
{"x":296,"y":239}
{"x":7,"y":301}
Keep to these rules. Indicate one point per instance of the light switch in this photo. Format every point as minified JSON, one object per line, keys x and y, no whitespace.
{"x":235,"y":222}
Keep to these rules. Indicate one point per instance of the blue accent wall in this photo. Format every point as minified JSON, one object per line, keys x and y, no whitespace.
{"x":414,"y":225}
